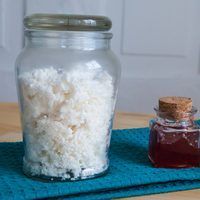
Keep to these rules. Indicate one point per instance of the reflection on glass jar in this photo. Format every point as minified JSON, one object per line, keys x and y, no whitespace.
{"x":67,"y":84}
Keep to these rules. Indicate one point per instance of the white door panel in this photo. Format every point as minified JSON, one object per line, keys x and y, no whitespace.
{"x":11,"y":41}
{"x":160,"y":23}
{"x":157,"y":41}
{"x":158,"y":45}
{"x":93,"y":7}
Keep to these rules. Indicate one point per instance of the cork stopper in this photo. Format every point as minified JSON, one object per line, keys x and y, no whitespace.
{"x":175,"y":108}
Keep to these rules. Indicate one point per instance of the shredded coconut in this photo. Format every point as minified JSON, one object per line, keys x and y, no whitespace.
{"x":66,"y":120}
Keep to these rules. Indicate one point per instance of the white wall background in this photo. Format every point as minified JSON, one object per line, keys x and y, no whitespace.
{"x":157,"y":41}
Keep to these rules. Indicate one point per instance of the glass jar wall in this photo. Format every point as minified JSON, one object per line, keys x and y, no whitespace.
{"x":67,"y":79}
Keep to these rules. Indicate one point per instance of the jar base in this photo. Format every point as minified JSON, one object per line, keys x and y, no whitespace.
{"x":168,"y":164}
{"x":45,"y":178}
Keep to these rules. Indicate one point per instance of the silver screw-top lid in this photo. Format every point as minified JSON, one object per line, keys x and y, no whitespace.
{"x":63,"y":22}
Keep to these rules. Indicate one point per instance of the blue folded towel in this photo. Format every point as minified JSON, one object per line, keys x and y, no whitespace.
{"x":130,"y":174}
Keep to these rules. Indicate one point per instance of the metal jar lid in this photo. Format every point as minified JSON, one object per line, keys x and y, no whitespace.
{"x":62,"y":22}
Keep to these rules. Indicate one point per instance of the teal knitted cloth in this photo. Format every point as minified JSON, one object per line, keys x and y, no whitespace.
{"x":130,"y":174}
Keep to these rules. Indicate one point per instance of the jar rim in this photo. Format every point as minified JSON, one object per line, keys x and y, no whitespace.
{"x":67,"y":34}
{"x":65,"y":22}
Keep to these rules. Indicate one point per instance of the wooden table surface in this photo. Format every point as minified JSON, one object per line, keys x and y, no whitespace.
{"x":10,"y":130}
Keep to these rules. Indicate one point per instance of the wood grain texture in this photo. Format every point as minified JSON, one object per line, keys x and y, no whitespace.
{"x":10,"y":130}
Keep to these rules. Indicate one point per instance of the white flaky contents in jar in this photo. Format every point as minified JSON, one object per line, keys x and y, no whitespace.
{"x":66,"y":118}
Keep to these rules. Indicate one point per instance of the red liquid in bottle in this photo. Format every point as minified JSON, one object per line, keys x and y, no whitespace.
{"x":174,"y":147}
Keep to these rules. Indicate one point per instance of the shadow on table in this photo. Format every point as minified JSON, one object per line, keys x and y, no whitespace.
{"x":130,"y":152}
{"x":11,"y":158}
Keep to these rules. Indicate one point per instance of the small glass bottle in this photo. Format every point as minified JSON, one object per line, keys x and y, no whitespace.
{"x":174,"y":136}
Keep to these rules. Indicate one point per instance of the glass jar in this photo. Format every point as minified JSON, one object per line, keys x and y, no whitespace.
{"x":174,"y":139}
{"x":67,"y":79}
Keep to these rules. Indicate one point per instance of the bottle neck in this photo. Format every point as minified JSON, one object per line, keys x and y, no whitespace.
{"x":176,"y":119}
{"x":68,"y":39}
{"x":175,"y":123}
